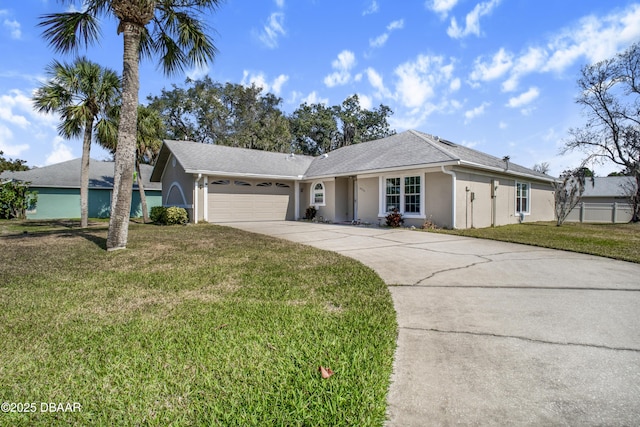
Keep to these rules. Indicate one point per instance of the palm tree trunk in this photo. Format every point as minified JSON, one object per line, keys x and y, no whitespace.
{"x":84,"y":175}
{"x":143,"y":197}
{"x":126,"y":148}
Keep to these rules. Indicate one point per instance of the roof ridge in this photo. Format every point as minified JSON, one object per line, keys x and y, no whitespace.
{"x":423,"y":136}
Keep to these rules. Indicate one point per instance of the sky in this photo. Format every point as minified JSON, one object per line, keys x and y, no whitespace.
{"x":498,"y":76}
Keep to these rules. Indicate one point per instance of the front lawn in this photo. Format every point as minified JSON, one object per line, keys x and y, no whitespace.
{"x":191,"y":325}
{"x":619,"y":241}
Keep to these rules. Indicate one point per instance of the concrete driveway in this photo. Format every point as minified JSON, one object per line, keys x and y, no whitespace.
{"x":493,"y":333}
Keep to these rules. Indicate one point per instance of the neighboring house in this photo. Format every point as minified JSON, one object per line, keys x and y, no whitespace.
{"x":58,"y":188}
{"x":424,"y":177}
{"x":607,"y":200}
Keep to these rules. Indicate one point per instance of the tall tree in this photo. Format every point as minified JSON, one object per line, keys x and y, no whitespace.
{"x":150,"y":131}
{"x":224,"y":114}
{"x":568,"y":191}
{"x":11,"y":164}
{"x":82,"y":93}
{"x":313,"y":128}
{"x":171,"y":29}
{"x":317,"y":129}
{"x":610,"y":96}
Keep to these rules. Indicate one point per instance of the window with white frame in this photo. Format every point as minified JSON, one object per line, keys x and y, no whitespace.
{"x":522,"y":197}
{"x":404,"y":194}
{"x":317,"y":194}
{"x":392,"y":194}
{"x":412,"y":195}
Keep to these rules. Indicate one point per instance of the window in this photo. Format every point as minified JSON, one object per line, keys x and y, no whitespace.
{"x":412,"y":194}
{"x":393,"y":194}
{"x":264,"y":184}
{"x":242,"y":183}
{"x":221,"y":182}
{"x":522,"y":197}
{"x":404,"y":194}
{"x":317,"y":194}
{"x":282,"y":185}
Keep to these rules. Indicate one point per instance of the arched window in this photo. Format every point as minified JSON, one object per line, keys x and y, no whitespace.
{"x":317,"y":194}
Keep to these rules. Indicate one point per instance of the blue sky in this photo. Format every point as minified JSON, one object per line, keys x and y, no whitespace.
{"x":495,"y":75}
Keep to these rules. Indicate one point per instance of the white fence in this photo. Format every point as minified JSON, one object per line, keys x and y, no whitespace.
{"x":601,"y":212}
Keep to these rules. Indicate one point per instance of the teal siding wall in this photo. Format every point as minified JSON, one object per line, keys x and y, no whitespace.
{"x":54,"y":203}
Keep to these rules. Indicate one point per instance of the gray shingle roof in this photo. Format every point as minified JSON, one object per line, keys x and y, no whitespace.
{"x":67,"y":175}
{"x":406,"y":149}
{"x":610,"y":186}
{"x":218,"y":159}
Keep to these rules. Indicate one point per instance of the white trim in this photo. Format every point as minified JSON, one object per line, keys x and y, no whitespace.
{"x":382,"y":199}
{"x":245,"y":175}
{"x":312,"y":199}
{"x":296,"y":201}
{"x":515,"y":204}
{"x":179,"y":187}
{"x":195,"y":198}
{"x":453,"y":195}
{"x":205,"y":201}
{"x":393,"y":170}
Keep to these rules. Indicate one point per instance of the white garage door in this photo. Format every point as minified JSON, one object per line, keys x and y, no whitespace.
{"x":246,"y":200}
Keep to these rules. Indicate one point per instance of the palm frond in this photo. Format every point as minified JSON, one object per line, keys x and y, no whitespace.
{"x":69,"y":31}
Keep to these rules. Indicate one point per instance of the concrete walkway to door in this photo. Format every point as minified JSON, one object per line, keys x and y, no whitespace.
{"x":493,"y":333}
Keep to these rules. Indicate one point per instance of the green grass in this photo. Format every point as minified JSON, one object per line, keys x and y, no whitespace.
{"x":619,"y":241}
{"x":195,"y":325}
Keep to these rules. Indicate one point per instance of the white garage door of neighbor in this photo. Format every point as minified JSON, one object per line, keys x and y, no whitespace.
{"x":260,"y":204}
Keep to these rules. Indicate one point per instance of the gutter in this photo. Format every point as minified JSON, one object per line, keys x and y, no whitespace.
{"x":453,"y":195}
{"x":506,"y":171}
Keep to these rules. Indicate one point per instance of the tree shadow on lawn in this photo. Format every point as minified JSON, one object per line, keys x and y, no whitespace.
{"x":72,"y":229}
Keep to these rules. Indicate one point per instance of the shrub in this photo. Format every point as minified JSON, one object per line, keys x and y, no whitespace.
{"x":310,"y":213}
{"x":16,"y":199}
{"x":169,"y":215}
{"x":394,"y":218}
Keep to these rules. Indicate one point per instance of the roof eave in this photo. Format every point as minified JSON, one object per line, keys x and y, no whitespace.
{"x":506,"y":171}
{"x":243,"y":174}
{"x":385,"y":170}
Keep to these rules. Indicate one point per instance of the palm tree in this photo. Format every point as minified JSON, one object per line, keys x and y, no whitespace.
{"x":81,"y":93}
{"x":171,"y":29}
{"x":150,"y":130}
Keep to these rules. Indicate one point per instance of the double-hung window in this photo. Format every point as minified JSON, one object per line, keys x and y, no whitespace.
{"x":404,"y":194}
{"x":523,"y":199}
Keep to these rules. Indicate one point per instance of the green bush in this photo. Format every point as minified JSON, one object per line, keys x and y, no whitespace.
{"x":169,"y":215}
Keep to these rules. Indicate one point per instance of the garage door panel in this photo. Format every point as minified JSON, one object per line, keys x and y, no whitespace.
{"x":229,"y":207}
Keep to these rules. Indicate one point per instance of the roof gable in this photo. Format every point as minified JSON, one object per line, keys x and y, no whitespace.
{"x":213,"y":159}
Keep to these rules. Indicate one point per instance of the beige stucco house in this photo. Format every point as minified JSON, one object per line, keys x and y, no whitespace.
{"x":424,"y":177}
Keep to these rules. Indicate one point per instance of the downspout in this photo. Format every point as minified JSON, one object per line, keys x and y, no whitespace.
{"x":453,"y":195}
{"x":205,"y":199}
{"x":296,"y":200}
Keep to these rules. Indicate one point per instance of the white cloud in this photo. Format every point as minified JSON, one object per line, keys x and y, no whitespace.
{"x":530,"y":61}
{"x":417,"y":80}
{"x":472,"y":20}
{"x":373,"y":8}
{"x":455,"y":85}
{"x":14,"y":103}
{"x":6,"y":146}
{"x":280,"y":3}
{"x":524,"y":98}
{"x":198,"y":72}
{"x":441,"y":7}
{"x":61,"y":152}
{"x":260,"y":80}
{"x":365,"y":101}
{"x":376,"y":80}
{"x":475,"y":112}
{"x":343,"y":64}
{"x":594,"y":38}
{"x":314,"y":98}
{"x":500,"y":64}
{"x":503,"y":125}
{"x":273,"y":29}
{"x":14,"y":28}
{"x":382,"y":39}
